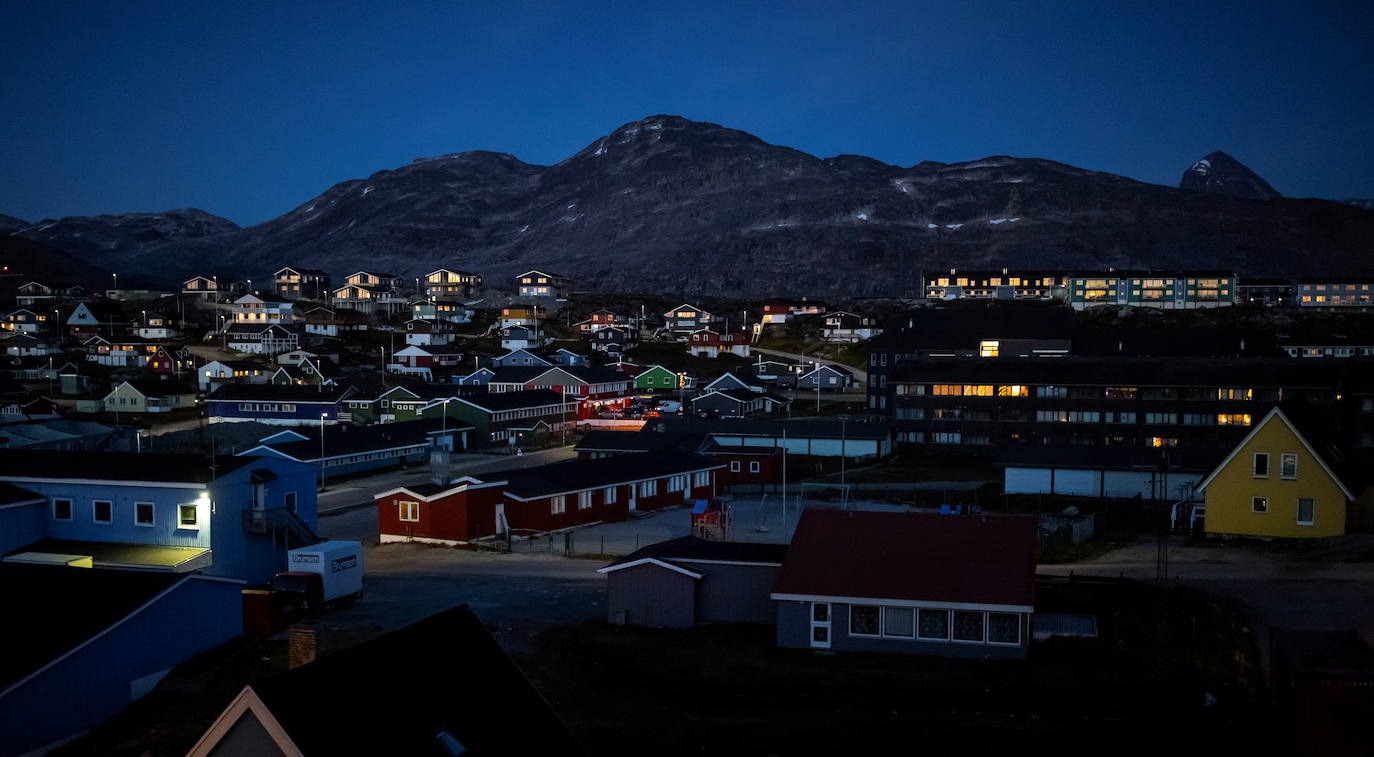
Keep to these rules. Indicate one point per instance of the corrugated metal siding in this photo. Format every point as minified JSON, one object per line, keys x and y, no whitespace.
{"x":1027,"y":480}
{"x":735,"y":593}
{"x":1081,"y":483}
{"x":648,"y":595}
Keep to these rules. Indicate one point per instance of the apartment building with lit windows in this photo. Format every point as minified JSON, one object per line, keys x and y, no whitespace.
{"x":1344,"y":293}
{"x":975,"y":405}
{"x":1188,"y":290}
{"x":1006,"y":284}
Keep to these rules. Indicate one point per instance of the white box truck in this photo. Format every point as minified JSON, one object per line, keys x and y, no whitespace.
{"x":322,"y":574}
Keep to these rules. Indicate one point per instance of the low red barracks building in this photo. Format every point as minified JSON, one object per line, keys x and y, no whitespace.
{"x":544,"y":498}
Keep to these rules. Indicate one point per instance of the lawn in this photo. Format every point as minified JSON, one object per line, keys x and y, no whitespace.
{"x":728,"y":690}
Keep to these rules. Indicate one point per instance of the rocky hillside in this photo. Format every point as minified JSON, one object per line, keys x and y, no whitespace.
{"x":675,"y":205}
{"x":1222,"y":174}
{"x":106,"y":240}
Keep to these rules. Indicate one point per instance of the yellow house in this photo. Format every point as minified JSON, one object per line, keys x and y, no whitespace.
{"x":1275,"y":484}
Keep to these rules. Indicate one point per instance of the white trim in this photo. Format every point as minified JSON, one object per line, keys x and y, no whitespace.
{"x":1202,"y":487}
{"x":459,"y":485}
{"x":105,"y":482}
{"x":25,"y":503}
{"x":150,"y":524}
{"x":97,"y":521}
{"x":93,"y":639}
{"x":727,"y":562}
{"x":630,"y":482}
{"x":247,"y":700}
{"x":403,"y":539}
{"x":649,"y":561}
{"x":930,"y":605}
{"x":71,"y":509}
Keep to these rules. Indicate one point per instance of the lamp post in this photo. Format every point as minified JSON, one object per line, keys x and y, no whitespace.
{"x":817,"y":377}
{"x":322,"y":417}
{"x":443,"y":425}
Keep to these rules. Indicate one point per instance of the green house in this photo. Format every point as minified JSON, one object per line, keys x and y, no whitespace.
{"x":656,"y":377}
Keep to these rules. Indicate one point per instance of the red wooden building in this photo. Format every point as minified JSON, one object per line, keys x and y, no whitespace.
{"x":544,"y":498}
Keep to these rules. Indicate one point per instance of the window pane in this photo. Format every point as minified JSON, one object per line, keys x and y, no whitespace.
{"x":934,"y":624}
{"x":863,"y":619}
{"x":820,"y":633}
{"x":968,"y":626}
{"x":1261,"y":464}
{"x":62,"y":509}
{"x":102,"y":510}
{"x":144,"y":513}
{"x":820,"y":613}
{"x":1004,"y":628}
{"x":899,"y":621}
{"x":1306,"y":510}
{"x":187,"y":515}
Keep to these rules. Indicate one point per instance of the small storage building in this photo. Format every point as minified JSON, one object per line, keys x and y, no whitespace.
{"x":687,"y":581}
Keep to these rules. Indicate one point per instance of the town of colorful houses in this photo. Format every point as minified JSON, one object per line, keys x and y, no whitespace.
{"x":1087,"y":388}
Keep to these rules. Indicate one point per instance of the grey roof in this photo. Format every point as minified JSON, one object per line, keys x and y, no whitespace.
{"x":278,"y":393}
{"x":345,"y":439}
{"x":689,"y":548}
{"x":576,"y":475}
{"x":114,"y":466}
{"x":815,"y":429}
{"x":498,"y":401}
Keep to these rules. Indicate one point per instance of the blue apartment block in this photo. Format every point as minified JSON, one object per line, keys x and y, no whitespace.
{"x":233,"y":517}
{"x":277,"y":404}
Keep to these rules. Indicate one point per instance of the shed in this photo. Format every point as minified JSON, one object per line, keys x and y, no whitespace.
{"x":687,"y":581}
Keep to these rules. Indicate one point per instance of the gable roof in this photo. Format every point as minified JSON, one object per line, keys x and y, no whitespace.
{"x":505,"y":714}
{"x":156,"y":387}
{"x":690,"y":549}
{"x":912,"y":557}
{"x":1278,"y":415}
{"x":346,"y":440}
{"x":20,"y":465}
{"x":577,"y":475}
{"x":499,"y":401}
{"x":738,"y":396}
{"x":321,"y":393}
{"x":603,"y":440}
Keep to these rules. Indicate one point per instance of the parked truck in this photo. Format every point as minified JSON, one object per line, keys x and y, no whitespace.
{"x":318,"y":576}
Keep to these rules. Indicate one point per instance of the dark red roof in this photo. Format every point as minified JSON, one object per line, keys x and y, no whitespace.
{"x":912,"y":556}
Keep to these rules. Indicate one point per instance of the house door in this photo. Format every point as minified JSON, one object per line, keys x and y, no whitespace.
{"x":634,"y":490}
{"x":820,"y":625}
{"x":501,"y":525}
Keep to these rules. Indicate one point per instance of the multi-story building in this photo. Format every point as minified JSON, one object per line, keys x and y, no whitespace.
{"x":1204,"y":403}
{"x":297,"y":283}
{"x":684,"y":319}
{"x":212,"y":288}
{"x":448,"y":283}
{"x":370,"y":293}
{"x":43,"y":292}
{"x":540,"y":284}
{"x":433,"y":309}
{"x":1264,"y":292}
{"x":1336,"y":293}
{"x":1005,"y":284}
{"x":262,"y":309}
{"x":1188,"y":290}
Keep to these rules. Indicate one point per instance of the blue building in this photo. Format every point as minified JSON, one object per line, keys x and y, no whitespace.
{"x":90,"y":642}
{"x":347,"y":449}
{"x":160,"y":512}
{"x":277,"y":404}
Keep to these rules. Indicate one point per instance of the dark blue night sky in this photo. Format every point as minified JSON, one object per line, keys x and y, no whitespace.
{"x":248,"y":109}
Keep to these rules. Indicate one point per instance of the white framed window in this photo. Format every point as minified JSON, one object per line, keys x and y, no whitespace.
{"x":1307,"y":511}
{"x":609,"y":494}
{"x":734,"y":466}
{"x":408,"y":511}
{"x":558,"y":505}
{"x":584,"y":500}
{"x":648,"y":488}
{"x":865,"y":620}
{"x":144,"y":514}
{"x":899,"y":622}
{"x":188,"y":516}
{"x":1259,"y":465}
{"x":702,"y":478}
{"x":102,"y":511}
{"x":1259,"y":504}
{"x":1004,"y":628}
{"x":968,"y":626}
{"x":932,"y":624}
{"x":62,"y":509}
{"x":1288,"y":466}
{"x":753,"y":466}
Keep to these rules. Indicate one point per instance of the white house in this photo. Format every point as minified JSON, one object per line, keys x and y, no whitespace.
{"x":218,"y":372}
{"x":261,"y":309}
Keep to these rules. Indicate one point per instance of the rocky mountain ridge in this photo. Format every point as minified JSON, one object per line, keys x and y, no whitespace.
{"x":669,"y":204}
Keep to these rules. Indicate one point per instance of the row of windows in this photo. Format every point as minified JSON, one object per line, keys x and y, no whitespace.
{"x":958,"y":437}
{"x":1088,"y":392}
{"x":267,"y":407}
{"x":1305,"y":511}
{"x":735,"y":466}
{"x":532,"y":412}
{"x":145,"y":513}
{"x":1012,"y":415}
{"x":972,"y":626}
{"x":1288,"y":465}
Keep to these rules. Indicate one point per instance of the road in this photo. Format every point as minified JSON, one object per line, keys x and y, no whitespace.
{"x":860,"y":375}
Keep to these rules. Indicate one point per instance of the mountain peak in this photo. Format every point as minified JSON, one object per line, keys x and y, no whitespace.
{"x":1219,"y":173}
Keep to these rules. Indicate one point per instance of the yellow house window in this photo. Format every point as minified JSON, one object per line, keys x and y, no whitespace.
{"x":1288,"y":466}
{"x":1259,"y":504}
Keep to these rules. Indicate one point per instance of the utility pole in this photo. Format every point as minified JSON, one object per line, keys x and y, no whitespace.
{"x":322,"y":416}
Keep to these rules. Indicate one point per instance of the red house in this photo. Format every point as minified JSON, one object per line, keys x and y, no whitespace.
{"x":708,"y":343}
{"x":544,"y":498}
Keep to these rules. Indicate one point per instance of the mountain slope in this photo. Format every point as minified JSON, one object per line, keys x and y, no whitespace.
{"x":107,"y":240}
{"x":669,"y":204}
{"x":1222,"y":174}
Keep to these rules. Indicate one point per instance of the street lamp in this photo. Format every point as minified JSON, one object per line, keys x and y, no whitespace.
{"x":322,"y":417}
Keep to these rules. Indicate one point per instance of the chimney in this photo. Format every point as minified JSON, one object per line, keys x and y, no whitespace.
{"x":302,"y":643}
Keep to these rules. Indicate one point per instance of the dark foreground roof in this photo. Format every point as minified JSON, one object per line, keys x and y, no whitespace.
{"x":1330,"y":653}
{"x":13,"y":495}
{"x":345,"y":439}
{"x":115,"y":466}
{"x":458,"y":680}
{"x":912,"y":556}
{"x":278,"y":393}
{"x":633,"y":441}
{"x":63,"y":607}
{"x":689,"y":548}
{"x":798,"y":429}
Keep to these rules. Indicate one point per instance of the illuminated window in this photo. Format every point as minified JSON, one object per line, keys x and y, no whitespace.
{"x":947,"y":390}
{"x":1121,"y":393}
{"x":988,"y":348}
{"x":1259,"y":504}
{"x":1233,"y":419}
{"x":978,"y":390}
{"x":1163,"y":441}
{"x":1012,"y":390}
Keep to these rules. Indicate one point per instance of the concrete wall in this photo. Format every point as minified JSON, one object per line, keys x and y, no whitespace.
{"x":652,"y":596}
{"x":108,"y":674}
